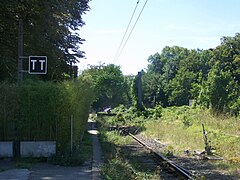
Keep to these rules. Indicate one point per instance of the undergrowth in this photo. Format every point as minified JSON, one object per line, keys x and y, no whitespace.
{"x":79,"y":155}
{"x":180,"y":128}
{"x":117,"y":165}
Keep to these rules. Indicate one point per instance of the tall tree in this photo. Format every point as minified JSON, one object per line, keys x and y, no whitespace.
{"x":110,"y":86}
{"x":49,"y":29}
{"x":223,"y":79}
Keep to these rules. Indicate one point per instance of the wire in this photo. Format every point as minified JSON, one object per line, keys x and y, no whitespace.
{"x":131,"y":31}
{"x":126,"y":30}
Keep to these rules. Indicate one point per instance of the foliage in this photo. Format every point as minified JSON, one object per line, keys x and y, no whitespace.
{"x":49,"y":28}
{"x":119,"y":165}
{"x":9,"y":105}
{"x":210,"y":77}
{"x":42,"y":111}
{"x":130,"y":116}
{"x":117,"y":169}
{"x":186,"y":131}
{"x":78,"y":156}
{"x":111,"y":87}
{"x":185,"y":125}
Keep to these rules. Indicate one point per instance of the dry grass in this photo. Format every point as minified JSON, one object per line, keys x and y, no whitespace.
{"x":181,"y":128}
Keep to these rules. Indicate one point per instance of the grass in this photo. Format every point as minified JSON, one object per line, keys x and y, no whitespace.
{"x":116,"y":138}
{"x":79,"y":155}
{"x":25,"y":164}
{"x":118,"y":165}
{"x":180,"y":127}
{"x":121,"y":169}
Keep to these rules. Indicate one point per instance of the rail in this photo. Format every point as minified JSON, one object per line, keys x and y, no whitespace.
{"x":180,"y":170}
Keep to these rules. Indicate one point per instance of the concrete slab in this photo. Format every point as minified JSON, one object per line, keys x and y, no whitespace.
{"x":6,"y":149}
{"x":97,"y":150}
{"x":15,"y":174}
{"x":54,"y":172}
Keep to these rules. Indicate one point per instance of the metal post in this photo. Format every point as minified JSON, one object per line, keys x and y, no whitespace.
{"x":20,"y":51}
{"x":16,"y":140}
{"x":140,"y":106}
{"x":71,"y":141}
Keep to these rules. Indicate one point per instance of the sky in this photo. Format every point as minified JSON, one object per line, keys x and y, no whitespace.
{"x":187,"y":23}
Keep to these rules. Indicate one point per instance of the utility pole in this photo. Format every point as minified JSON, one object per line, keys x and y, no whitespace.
{"x":75,"y":71}
{"x":140,"y":105}
{"x":16,"y":141}
{"x":20,"y":51}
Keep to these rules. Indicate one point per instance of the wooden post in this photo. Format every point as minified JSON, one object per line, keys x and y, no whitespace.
{"x":207,"y":146}
{"x":140,"y":105}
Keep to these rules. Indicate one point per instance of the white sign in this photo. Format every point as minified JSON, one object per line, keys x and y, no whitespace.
{"x":37,"y":65}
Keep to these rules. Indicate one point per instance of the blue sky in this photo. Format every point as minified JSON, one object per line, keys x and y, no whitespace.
{"x":187,"y":23}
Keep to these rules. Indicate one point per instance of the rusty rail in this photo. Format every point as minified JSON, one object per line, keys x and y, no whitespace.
{"x":180,"y":170}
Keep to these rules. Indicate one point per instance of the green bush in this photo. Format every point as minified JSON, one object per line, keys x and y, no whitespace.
{"x":9,"y":109}
{"x":42,"y":110}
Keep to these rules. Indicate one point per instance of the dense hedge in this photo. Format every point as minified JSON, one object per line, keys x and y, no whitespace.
{"x":42,"y":110}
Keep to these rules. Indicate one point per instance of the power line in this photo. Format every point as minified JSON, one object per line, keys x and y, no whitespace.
{"x":126,"y":30}
{"x":131,"y":30}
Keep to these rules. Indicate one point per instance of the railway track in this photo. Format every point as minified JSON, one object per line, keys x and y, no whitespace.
{"x":178,"y":171}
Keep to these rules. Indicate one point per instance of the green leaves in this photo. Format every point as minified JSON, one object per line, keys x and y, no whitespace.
{"x":49,"y":29}
{"x":111,"y":88}
{"x":211,"y":77}
{"x":42,"y":110}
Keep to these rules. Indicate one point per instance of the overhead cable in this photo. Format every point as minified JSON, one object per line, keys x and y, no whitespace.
{"x":131,"y":31}
{"x":116,"y":55}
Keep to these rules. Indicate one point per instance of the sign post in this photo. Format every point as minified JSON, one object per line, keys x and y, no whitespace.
{"x":20,"y":50}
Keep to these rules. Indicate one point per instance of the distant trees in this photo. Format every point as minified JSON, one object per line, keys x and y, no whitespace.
{"x":224,"y":77}
{"x":111,"y":87}
{"x":49,"y":29}
{"x":211,"y":77}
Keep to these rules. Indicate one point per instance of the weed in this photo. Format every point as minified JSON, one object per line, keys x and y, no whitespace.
{"x":181,"y":128}
{"x":27,"y":163}
{"x":168,"y":151}
{"x":234,"y":160}
{"x":117,"y":165}
{"x":117,"y":169}
{"x":79,"y":154}
{"x":23,"y":165}
{"x":186,"y":122}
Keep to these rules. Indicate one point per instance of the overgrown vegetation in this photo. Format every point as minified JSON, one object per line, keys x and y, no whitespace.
{"x":118,"y":164}
{"x":42,"y":110}
{"x":180,"y":129}
{"x":78,"y":156}
{"x":210,"y":77}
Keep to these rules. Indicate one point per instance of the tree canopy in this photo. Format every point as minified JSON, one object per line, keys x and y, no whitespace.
{"x":111,"y":87}
{"x":49,"y":28}
{"x":210,"y":77}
